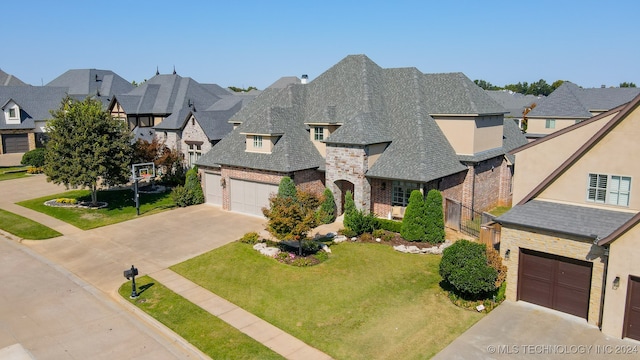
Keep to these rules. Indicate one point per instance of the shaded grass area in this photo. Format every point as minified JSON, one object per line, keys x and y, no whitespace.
{"x":211,"y":335}
{"x":366,"y":301}
{"x":25,"y":228}
{"x":121,"y":207}
{"x":14,"y":172}
{"x":497,"y":211}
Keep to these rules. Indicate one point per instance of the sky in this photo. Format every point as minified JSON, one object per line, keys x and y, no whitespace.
{"x":254,"y":43}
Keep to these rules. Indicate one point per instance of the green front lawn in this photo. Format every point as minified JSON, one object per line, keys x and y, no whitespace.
{"x":366,"y":302}
{"x":8,"y":173}
{"x":208,"y":333}
{"x":25,"y":228}
{"x":121,"y":207}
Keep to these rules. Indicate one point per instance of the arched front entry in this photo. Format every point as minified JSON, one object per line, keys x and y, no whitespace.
{"x":342,"y":187}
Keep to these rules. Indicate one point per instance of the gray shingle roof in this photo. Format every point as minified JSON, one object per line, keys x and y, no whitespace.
{"x":35,"y":103}
{"x":571,"y":101}
{"x":90,"y":82}
{"x":512,"y":137}
{"x":514,"y":102}
{"x":372,"y":105}
{"x":564,"y":218}
{"x":10,"y":80}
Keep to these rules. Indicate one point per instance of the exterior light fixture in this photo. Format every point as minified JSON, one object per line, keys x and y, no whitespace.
{"x":616,"y":283}
{"x":507,"y":254}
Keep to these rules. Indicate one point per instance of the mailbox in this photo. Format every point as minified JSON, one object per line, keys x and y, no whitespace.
{"x":131,"y":274}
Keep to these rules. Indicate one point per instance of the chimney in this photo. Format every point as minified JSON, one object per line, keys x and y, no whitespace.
{"x":603,"y":86}
{"x":305,"y":77}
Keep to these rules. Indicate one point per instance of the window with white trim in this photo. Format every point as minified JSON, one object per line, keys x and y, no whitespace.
{"x":550,"y":124}
{"x":12,"y":113}
{"x":257,"y":141}
{"x":609,"y":189}
{"x":402,"y":191}
{"x":195,"y":152}
{"x":318,"y":133}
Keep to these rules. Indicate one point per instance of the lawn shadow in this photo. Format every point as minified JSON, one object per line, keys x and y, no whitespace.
{"x":144,"y":287}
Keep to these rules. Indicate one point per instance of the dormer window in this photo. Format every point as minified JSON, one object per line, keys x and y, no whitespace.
{"x":257,"y":141}
{"x":318,"y":133}
{"x":11,"y":112}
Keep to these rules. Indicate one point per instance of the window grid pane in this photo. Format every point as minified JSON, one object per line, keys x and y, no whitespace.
{"x":318,"y":133}
{"x":604,"y":189}
{"x":257,"y":141}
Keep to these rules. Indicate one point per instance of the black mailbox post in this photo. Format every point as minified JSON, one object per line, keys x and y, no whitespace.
{"x":131,"y":273}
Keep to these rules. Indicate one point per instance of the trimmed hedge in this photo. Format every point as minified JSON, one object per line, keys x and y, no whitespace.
{"x":464,"y":266}
{"x":389,"y":225}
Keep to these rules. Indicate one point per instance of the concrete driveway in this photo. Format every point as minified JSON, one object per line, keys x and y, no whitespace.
{"x":520,"y":330}
{"x":58,"y":297}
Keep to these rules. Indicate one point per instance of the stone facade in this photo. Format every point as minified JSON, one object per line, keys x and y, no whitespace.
{"x":348,"y":163}
{"x":516,"y":238}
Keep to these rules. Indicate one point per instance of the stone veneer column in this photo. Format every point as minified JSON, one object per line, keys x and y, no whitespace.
{"x":350,"y":163}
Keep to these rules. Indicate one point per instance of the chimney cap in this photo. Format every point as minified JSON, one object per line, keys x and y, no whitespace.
{"x":304,"y":79}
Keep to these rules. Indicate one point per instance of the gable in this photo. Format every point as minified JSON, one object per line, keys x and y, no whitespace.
{"x":613,"y":155}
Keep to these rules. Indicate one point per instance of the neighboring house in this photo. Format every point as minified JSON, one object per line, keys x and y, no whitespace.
{"x":570,"y":104}
{"x":26,"y":109}
{"x":184,"y":114}
{"x":515,"y":103}
{"x":379,"y":133}
{"x":10,"y":80}
{"x":570,"y":242}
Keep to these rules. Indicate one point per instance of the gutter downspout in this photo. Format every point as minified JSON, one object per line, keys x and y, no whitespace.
{"x":604,"y":285}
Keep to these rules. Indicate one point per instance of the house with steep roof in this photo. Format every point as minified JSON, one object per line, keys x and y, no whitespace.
{"x":515,"y":103}
{"x":570,"y":104}
{"x":379,"y":133}
{"x":184,"y":114}
{"x":10,"y":80}
{"x":26,"y":109}
{"x":570,"y":242}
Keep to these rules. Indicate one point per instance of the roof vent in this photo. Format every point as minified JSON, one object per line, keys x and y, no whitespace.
{"x":305,"y":78}
{"x":97,"y":78}
{"x":157,"y":71}
{"x":603,"y":86}
{"x":174,"y":69}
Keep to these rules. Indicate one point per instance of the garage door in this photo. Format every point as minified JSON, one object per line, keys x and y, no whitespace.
{"x":214,"y":190}
{"x":15,"y":143}
{"x":632,"y":312}
{"x":250,"y":197}
{"x":555,"y":282}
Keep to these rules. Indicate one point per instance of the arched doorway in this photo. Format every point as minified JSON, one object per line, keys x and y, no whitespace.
{"x":343,"y":186}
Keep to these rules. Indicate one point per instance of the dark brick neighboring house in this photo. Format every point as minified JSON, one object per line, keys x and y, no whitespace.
{"x":380,"y":133}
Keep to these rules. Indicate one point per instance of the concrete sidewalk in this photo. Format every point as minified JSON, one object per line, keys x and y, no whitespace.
{"x":260,"y":330}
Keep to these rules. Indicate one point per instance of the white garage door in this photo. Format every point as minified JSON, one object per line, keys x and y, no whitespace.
{"x":250,"y":197}
{"x":214,"y":190}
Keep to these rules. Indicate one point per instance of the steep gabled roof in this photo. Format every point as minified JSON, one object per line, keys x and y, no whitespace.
{"x":90,"y":82}
{"x":10,"y":80}
{"x":514,"y":102}
{"x":372,"y":105}
{"x":35,"y":103}
{"x":571,"y":101}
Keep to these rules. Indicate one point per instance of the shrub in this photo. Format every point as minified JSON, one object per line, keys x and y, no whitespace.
{"x":180,"y":196}
{"x":378,"y":233}
{"x":287,"y":188}
{"x":327,"y":210}
{"x":414,"y":222}
{"x":360,"y":222}
{"x":349,"y":205}
{"x":191,"y":193}
{"x":347,"y":232}
{"x":366,"y":237}
{"x":390,"y":225}
{"x":310,"y":247}
{"x":250,"y":238}
{"x":35,"y":170}
{"x":33,"y":158}
{"x":321,"y":256}
{"x":434,"y":217}
{"x":464,"y":267}
{"x":495,"y":261}
{"x":67,"y":201}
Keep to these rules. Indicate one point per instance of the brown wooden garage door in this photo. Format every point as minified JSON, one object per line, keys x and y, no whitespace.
{"x":555,"y":282}
{"x":15,"y":143}
{"x":632,"y":310}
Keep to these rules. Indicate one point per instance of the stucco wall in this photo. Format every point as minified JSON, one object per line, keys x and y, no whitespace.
{"x":514,"y":238}
{"x":537,"y":125}
{"x":623,"y":261}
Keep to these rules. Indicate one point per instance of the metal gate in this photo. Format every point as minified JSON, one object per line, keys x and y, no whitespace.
{"x":464,"y":219}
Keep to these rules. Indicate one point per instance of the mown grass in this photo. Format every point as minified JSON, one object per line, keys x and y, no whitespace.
{"x":366,"y":302}
{"x":25,"y":228}
{"x":121,"y":207}
{"x":208,"y":333}
{"x":14,"y":172}
{"x":497,"y":211}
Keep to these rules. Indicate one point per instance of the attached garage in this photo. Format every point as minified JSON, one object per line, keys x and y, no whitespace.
{"x":555,"y":282}
{"x":250,"y":197}
{"x":213,"y":188}
{"x":632,"y":310}
{"x":15,"y":143}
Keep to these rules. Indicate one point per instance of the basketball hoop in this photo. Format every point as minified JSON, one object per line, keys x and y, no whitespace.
{"x":144,"y":171}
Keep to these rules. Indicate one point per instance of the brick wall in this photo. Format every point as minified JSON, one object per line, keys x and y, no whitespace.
{"x":310,"y":180}
{"x":506,"y":176}
{"x":514,"y":238}
{"x":487,"y":186}
{"x":452,"y":186}
{"x":381,"y":191}
{"x":263,"y":176}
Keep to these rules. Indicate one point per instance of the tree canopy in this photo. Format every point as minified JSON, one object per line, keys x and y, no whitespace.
{"x":627,"y":85}
{"x":86,"y":146}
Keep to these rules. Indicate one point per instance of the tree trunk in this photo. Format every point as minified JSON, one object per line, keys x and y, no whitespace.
{"x":94,"y":195}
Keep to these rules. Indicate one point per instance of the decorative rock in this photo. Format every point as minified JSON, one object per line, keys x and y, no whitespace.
{"x":435,"y":250}
{"x":331,"y":235}
{"x":480,"y":307}
{"x":326,"y":249}
{"x":263,"y":249}
{"x":378,"y":239}
{"x":339,"y":239}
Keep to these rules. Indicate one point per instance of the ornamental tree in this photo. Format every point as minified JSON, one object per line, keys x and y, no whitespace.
{"x":414,"y":224}
{"x":86,"y":146}
{"x":327,"y":210}
{"x":434,"y":231}
{"x":287,"y":188}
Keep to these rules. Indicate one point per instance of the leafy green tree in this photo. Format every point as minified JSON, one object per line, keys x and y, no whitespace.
{"x":464,"y":266}
{"x":237,"y":89}
{"x":33,"y":158}
{"x":486,"y":85}
{"x":556,"y":84}
{"x":287,"y":188}
{"x":356,"y":220}
{"x":86,"y":147}
{"x":349,"y":208}
{"x":291,"y":218}
{"x":434,"y":215}
{"x":414,"y":223}
{"x":327,"y":210}
{"x":627,"y":85}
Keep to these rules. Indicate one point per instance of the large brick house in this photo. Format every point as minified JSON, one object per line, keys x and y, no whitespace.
{"x":186,"y":115}
{"x":379,"y":133}
{"x":571,"y":241}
